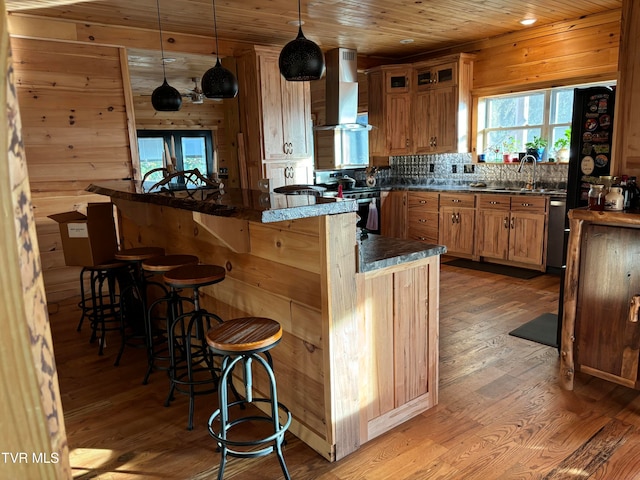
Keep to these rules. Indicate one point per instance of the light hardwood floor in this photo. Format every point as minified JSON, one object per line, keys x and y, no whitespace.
{"x":501,"y":415}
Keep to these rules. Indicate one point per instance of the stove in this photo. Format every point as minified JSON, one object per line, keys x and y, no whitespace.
{"x":360,"y":194}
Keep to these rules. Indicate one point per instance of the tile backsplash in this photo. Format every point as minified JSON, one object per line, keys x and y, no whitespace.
{"x":459,"y":169}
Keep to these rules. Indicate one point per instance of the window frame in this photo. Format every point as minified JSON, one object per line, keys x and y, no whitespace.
{"x":546,"y":128}
{"x":178,"y":135}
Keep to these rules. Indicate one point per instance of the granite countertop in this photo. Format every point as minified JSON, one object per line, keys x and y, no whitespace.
{"x":378,"y":252}
{"x":470,"y":189}
{"x":252,"y":205}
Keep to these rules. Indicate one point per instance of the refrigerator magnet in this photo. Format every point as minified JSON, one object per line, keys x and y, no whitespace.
{"x":587,"y":165}
{"x":601,"y":160}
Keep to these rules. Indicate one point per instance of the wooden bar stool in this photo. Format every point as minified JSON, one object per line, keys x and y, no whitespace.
{"x":191,"y":367}
{"x":157,"y":346}
{"x":133,"y":297}
{"x":242,"y":340}
{"x":102,"y":305}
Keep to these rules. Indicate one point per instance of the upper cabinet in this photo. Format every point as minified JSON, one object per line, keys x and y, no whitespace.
{"x":275,"y":115}
{"x":420,"y":108}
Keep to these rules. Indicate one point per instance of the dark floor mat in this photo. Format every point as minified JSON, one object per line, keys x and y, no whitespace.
{"x":515,"y":272}
{"x":542,"y":329}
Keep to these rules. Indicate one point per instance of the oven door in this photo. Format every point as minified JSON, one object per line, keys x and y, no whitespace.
{"x":365,"y":209}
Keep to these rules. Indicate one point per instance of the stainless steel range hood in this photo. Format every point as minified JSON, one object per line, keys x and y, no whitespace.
{"x":342,"y":142}
{"x":342,"y":91}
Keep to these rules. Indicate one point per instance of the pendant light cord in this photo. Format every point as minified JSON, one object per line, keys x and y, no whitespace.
{"x":215,"y":27}
{"x":164,"y":73}
{"x":299,"y":20}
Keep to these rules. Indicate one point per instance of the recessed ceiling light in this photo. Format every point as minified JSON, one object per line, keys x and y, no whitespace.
{"x":295,"y":23}
{"x":528,"y":21}
{"x":406,"y":41}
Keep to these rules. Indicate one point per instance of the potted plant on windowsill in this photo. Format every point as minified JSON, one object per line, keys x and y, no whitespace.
{"x":536,"y":147}
{"x":509,"y":148}
{"x":562,"y":146}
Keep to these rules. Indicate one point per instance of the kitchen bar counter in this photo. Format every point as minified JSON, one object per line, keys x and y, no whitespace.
{"x":359,"y":352}
{"x":236,"y":203}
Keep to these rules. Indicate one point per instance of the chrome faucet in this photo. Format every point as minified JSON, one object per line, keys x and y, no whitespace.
{"x":534,"y":161}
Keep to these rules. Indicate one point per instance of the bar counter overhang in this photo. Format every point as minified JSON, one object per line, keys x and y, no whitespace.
{"x":359,"y":353}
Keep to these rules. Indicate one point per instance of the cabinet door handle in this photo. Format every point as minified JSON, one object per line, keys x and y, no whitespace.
{"x":291,"y":148}
{"x":284,"y":148}
{"x":634,"y":308}
{"x":506,"y":222}
{"x":526,"y":204}
{"x":422,"y":220}
{"x":456,"y":200}
{"x":435,"y":141}
{"x":423,"y":202}
{"x":453,"y":218}
{"x":406,"y":142}
{"x":494,"y":203}
{"x":458,"y":217}
{"x":422,"y":238}
{"x":512,"y":223}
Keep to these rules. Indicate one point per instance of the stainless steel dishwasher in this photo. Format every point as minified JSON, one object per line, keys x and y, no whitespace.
{"x":555,"y":235}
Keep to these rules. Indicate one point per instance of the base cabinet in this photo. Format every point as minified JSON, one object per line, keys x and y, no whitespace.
{"x":512,"y":229}
{"x":393,"y":214}
{"x":422,"y":216}
{"x":399,"y":344}
{"x":457,"y":224}
{"x":601,"y":326}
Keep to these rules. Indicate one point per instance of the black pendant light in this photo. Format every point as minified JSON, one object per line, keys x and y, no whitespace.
{"x":165,"y":98}
{"x":218,"y":82}
{"x":301,"y":59}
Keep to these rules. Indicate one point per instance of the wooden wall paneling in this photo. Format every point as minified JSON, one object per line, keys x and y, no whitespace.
{"x":30,"y":404}
{"x":291,"y":248}
{"x":341,"y":330}
{"x":626,"y":154}
{"x":76,"y":130}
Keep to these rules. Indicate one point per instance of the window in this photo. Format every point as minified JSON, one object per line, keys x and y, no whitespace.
{"x":507,"y":122}
{"x":193,"y":149}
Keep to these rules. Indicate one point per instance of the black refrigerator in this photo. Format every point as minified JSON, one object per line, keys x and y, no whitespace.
{"x":590,"y":155}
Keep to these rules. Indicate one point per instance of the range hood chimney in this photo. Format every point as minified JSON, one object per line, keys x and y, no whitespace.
{"x":342,"y":90}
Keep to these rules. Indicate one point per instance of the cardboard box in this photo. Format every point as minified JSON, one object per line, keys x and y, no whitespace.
{"x":90,"y":239}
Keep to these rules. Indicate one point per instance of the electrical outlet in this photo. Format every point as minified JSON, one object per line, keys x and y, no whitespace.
{"x":469,"y":168}
{"x":454,"y":168}
{"x":223,"y":171}
{"x":432,"y":168}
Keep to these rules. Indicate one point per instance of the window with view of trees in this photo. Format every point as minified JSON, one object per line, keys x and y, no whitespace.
{"x":193,"y":149}
{"x":506,"y":123}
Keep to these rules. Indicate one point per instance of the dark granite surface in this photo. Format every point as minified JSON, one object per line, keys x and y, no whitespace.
{"x":230,"y":202}
{"x":377,"y":252}
{"x":469,"y":189}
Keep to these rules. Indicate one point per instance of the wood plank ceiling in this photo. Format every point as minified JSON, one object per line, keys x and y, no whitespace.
{"x":375,"y":28}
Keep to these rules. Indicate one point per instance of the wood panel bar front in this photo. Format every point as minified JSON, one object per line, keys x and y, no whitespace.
{"x":330,"y":364}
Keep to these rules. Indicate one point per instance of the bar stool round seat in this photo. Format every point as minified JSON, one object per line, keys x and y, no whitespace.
{"x":137,"y":254}
{"x":246,"y":341}
{"x":192,"y":276}
{"x":157,"y":346}
{"x":192,"y":370}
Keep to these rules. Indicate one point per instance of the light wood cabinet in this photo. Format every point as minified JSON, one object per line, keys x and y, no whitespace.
{"x":420,"y":108}
{"x":393,"y":214}
{"x":275,"y":115}
{"x":399,"y":343}
{"x":457,"y":224}
{"x":423,"y":216}
{"x":601,"y":324}
{"x":390,"y":111}
{"x":513,"y":229}
{"x":288,"y":173}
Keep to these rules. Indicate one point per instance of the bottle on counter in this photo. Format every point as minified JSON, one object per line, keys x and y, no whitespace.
{"x":596,"y":197}
{"x":634,"y":194}
{"x":614,"y":200}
